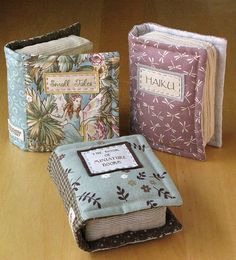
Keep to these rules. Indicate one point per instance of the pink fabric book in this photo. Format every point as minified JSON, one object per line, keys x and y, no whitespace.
{"x":176,"y":88}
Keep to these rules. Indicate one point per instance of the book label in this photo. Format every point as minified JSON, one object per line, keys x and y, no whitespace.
{"x":109,"y":158}
{"x":16,"y":131}
{"x":161,"y":82}
{"x":71,"y":82}
{"x":71,"y":218}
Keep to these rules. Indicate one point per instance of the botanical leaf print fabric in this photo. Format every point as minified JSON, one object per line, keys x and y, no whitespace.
{"x":173,"y":126}
{"x":115,"y":193}
{"x":45,"y":120}
{"x":16,"y":80}
{"x":55,"y":119}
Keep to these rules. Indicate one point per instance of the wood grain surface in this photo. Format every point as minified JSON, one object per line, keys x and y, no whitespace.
{"x":33,"y":223}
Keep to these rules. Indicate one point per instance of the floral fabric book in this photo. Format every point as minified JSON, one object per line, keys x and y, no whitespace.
{"x":177,"y":81}
{"x":58,"y":93}
{"x":115,"y":192}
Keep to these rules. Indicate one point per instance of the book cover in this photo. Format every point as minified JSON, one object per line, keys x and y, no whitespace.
{"x":62,"y":97}
{"x":167,"y":86}
{"x":116,"y":192}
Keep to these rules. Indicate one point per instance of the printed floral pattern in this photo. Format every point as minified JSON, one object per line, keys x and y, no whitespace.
{"x":106,"y":176}
{"x":145,"y":188}
{"x":109,"y":191}
{"x":169,"y":125}
{"x":152,"y":204}
{"x":164,"y":193}
{"x":90,"y":198}
{"x":66,"y":118}
{"x":75,"y":185}
{"x":141,"y":176}
{"x":93,"y":197}
{"x":61,"y":156}
{"x":122,"y":195}
{"x":132,"y":182}
{"x":159,"y":176}
{"x":97,"y":59}
{"x":152,"y":182}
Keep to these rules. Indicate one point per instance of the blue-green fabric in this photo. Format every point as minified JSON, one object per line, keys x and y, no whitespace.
{"x":35,"y":112}
{"x":16,"y":93}
{"x":147,"y":187}
{"x":16,"y":79}
{"x":48,"y":120}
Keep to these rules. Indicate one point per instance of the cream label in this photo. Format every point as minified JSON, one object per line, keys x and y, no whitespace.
{"x":71,"y":82}
{"x":161,"y":82}
{"x":71,"y":218}
{"x":16,"y":131}
{"x":109,"y":158}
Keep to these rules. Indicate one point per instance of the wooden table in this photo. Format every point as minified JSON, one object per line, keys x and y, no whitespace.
{"x":33,"y":223}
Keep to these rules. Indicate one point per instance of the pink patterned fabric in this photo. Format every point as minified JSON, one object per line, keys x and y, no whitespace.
{"x":169,"y":125}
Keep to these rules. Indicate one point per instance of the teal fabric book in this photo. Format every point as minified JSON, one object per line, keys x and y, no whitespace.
{"x":59,"y":92}
{"x":115,"y":192}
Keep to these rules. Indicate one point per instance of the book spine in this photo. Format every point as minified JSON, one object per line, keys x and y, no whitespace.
{"x":60,"y":178}
{"x":17,"y":123}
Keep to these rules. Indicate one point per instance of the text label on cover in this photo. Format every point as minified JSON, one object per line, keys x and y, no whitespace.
{"x":161,"y":82}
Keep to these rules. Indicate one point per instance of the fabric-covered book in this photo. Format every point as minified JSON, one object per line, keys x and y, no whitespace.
{"x":176,"y":80}
{"x":59,"y":92}
{"x":115,"y":192}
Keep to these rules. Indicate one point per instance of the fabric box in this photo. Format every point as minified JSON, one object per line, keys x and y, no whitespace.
{"x":58,"y":93}
{"x":115,"y":192}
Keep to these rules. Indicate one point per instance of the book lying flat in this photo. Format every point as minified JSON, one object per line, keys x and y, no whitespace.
{"x":59,"y":92}
{"x":177,"y":81}
{"x":115,"y":192}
